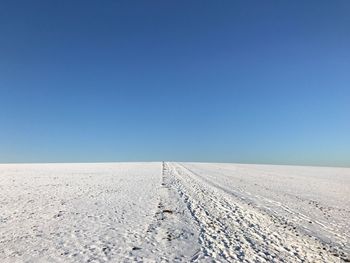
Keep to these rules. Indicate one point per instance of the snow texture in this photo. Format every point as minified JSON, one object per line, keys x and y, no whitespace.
{"x":173,"y":212}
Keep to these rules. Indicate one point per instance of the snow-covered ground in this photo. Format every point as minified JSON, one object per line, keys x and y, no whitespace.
{"x":75,"y":212}
{"x":159,"y":212}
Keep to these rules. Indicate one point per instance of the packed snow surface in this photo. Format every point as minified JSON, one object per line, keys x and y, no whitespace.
{"x":172,"y":212}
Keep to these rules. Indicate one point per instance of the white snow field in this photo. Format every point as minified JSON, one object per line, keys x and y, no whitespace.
{"x":173,"y":212}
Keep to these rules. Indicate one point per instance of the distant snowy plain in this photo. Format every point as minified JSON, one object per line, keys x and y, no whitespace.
{"x":173,"y":212}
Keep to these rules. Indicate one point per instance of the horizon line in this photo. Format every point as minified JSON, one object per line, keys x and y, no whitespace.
{"x":160,"y":161}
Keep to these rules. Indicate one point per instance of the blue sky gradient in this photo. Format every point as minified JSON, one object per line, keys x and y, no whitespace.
{"x":220,"y":81}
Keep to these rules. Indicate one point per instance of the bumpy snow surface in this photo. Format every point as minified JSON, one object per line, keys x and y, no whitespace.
{"x":171,"y":212}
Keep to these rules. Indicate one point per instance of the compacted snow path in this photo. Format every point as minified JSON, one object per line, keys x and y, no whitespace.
{"x":173,"y":212}
{"x":234,"y":230}
{"x":316,"y":201}
{"x":173,"y":234}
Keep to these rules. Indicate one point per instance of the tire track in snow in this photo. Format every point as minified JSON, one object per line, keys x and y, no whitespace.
{"x":233,"y":231}
{"x":171,"y":236}
{"x":340,"y":251}
{"x":325,"y":233}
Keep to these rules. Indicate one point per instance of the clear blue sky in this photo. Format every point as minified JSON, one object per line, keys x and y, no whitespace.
{"x":222,"y":81}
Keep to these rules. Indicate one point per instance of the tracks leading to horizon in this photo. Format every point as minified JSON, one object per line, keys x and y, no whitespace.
{"x":173,"y":212}
{"x":200,"y":222}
